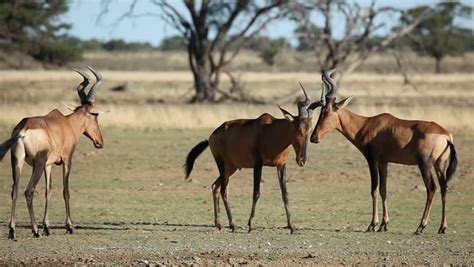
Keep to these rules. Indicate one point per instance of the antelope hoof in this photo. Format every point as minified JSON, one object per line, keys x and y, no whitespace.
{"x":36,"y":234}
{"x":233,"y":227}
{"x":252,"y":227}
{"x":292,"y":228}
{"x":218,"y":225}
{"x":46,"y":230}
{"x":442,"y":230}
{"x":371,"y":228}
{"x":11,"y":234}
{"x":383,"y":228}
{"x":69,"y":229}
{"x":420,"y":229}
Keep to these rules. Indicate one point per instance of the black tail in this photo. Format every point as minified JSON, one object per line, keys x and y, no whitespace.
{"x":453,"y":162}
{"x":6,"y":146}
{"x":193,"y":154}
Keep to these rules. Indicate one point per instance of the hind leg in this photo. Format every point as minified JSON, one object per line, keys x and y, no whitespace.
{"x":48,"y":192}
{"x":17,"y":161}
{"x":38,"y":166}
{"x":440,"y":171}
{"x":425,"y":169}
{"x":215,"y":196}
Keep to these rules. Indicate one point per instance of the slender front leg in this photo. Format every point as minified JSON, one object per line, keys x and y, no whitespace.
{"x":374,"y":192}
{"x":48,"y":193}
{"x":257,"y":178}
{"x":284,"y":194}
{"x":17,"y":161}
{"x":66,"y":172}
{"x":30,"y":191}
{"x":383,"y":194}
{"x":224,"y":185}
{"x":215,"y":196}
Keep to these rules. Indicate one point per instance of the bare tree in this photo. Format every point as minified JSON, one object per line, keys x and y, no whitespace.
{"x":215,"y":31}
{"x":357,"y":42}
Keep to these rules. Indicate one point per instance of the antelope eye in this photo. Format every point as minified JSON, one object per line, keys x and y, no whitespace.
{"x":94,"y":114}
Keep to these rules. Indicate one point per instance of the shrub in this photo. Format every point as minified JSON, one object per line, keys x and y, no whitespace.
{"x":58,"y":52}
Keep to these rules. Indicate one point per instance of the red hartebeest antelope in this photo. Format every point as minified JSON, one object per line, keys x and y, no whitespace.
{"x":253,"y":143}
{"x":44,"y":140}
{"x":385,"y":138}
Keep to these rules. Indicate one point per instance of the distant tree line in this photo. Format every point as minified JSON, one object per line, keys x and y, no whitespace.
{"x":35,"y":28}
{"x":112,"y":45}
{"x":437,"y":35}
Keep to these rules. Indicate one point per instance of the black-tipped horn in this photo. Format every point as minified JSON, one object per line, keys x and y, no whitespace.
{"x":98,"y":76}
{"x":302,"y":111}
{"x":82,"y":86}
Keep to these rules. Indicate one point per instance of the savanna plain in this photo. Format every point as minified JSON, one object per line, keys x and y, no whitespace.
{"x":130,"y":203}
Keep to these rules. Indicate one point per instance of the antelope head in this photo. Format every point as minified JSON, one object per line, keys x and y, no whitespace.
{"x":328,"y":118}
{"x":87,"y":109}
{"x":301,"y":125}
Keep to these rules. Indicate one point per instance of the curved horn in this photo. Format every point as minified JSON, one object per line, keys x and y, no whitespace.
{"x":302,"y":111}
{"x":323,"y":94}
{"x":82,"y":86}
{"x":326,"y":77}
{"x":98,"y":76}
{"x":319,"y":103}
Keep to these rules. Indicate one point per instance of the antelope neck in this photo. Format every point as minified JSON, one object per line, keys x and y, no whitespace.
{"x":76,"y":121}
{"x":350,"y":125}
{"x":284,"y":130}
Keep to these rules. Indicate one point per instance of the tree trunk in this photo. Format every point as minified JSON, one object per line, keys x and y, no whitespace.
{"x":199,"y":63}
{"x":205,"y":92}
{"x":438,"y":64}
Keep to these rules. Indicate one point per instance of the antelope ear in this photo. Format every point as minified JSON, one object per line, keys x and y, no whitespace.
{"x":342,"y":104}
{"x":287,"y":114}
{"x":71,"y":108}
{"x":98,"y":111}
{"x":92,"y":108}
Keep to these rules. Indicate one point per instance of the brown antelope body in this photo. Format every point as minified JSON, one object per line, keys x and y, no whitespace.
{"x":385,"y":138}
{"x":51,"y":139}
{"x":253,"y":143}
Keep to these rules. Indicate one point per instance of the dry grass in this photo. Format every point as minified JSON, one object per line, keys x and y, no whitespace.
{"x":175,"y":116}
{"x":155,"y":99}
{"x":249,"y":77}
{"x":286,"y":61}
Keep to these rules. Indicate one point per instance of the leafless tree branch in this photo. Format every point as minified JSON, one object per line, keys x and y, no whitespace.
{"x":332,"y":52}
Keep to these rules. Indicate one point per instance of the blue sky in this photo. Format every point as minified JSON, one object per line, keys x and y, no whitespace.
{"x":83,"y":16}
